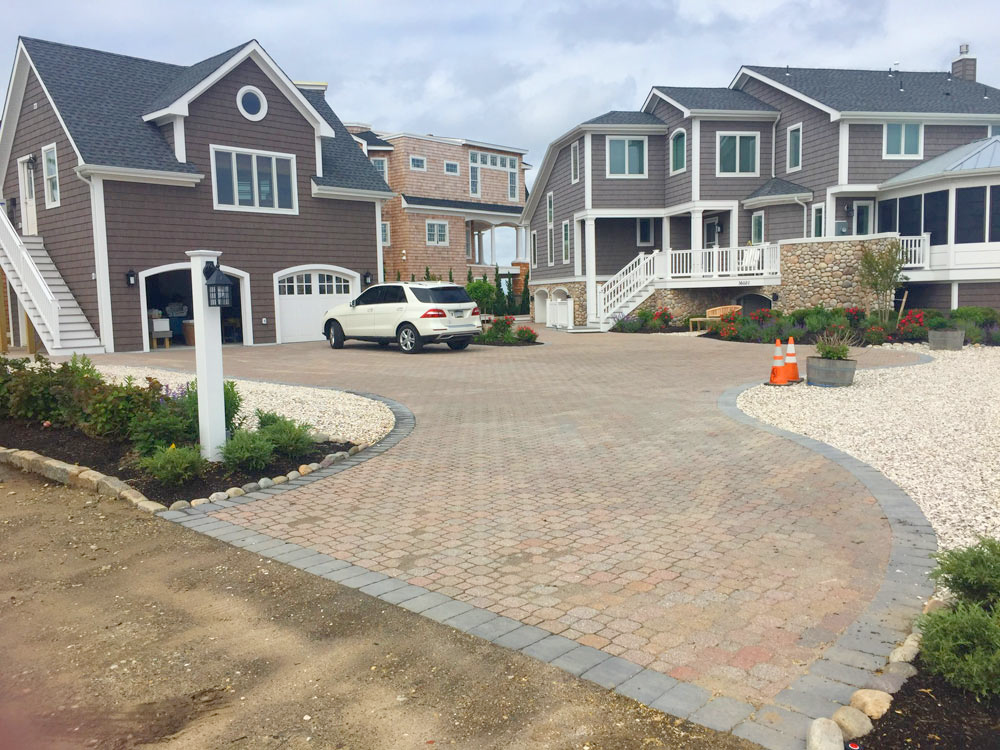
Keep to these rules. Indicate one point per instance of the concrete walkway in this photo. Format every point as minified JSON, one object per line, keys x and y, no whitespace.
{"x":593,"y":488}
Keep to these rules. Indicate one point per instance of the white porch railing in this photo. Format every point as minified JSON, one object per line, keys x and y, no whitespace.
{"x":26,"y":272}
{"x":916,"y":251}
{"x":624,"y":284}
{"x":714,"y":263}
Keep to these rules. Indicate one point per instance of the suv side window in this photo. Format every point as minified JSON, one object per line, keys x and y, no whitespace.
{"x":369,"y":297}
{"x":392,"y":295}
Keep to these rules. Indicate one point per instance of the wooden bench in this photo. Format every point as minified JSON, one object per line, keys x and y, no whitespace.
{"x":713,"y":313}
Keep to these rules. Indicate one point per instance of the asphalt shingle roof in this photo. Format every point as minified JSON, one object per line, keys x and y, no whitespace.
{"x":876,"y":91}
{"x":777,"y":186}
{"x":616,"y":117}
{"x":982,"y":154}
{"x":700,"y":97}
{"x":373,"y":140}
{"x":344,"y":163}
{"x":102,"y":98}
{"x":415,"y":200}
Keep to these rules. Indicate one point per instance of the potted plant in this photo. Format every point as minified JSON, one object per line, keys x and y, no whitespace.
{"x":832,"y":368}
{"x":943,"y":334}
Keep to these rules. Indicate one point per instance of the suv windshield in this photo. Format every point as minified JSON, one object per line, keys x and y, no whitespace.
{"x":441,"y":295}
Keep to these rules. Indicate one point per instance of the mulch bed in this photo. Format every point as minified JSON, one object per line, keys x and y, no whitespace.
{"x":800,"y":338}
{"x":667,"y":329}
{"x":505,"y":343}
{"x":929,"y":714}
{"x":117,"y":459}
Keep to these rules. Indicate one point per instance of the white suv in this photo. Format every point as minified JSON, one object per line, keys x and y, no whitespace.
{"x":411,"y":314}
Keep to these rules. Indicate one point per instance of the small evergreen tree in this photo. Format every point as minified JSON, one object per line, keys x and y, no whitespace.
{"x":469,"y":280}
{"x":499,"y":298}
{"x":397,"y":275}
{"x":511,"y":300}
{"x":525,"y":299}
{"x":413,"y":277}
{"x":451,"y":276}
{"x":427,"y":273}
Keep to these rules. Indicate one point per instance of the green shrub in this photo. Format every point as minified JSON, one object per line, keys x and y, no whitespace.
{"x":628,"y":325}
{"x":973,"y":333}
{"x":32,"y":392}
{"x":167,"y":424}
{"x":835,"y":343}
{"x":645,"y":316}
{"x":482,"y":293}
{"x":248,"y":450}
{"x":771,"y":332}
{"x":815,"y":322}
{"x":798,"y":316}
{"x":265,"y":418}
{"x":875,"y":335}
{"x":972,"y":573}
{"x":113,"y":409}
{"x":174,"y":465}
{"x":8,"y":368}
{"x":963,"y":646}
{"x":992,"y":337}
{"x":749,"y":332}
{"x":288,"y":437}
{"x":981,"y":316}
{"x":525,"y":334}
{"x":939,"y":323}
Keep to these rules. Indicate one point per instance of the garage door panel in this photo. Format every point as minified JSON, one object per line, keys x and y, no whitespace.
{"x":303,"y":299}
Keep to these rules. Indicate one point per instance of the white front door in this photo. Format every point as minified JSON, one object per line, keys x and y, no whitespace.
{"x":863,"y":212}
{"x":26,"y":186}
{"x":304,"y":297}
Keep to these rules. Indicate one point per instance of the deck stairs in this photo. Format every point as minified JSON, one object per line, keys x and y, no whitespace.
{"x":626,"y":290}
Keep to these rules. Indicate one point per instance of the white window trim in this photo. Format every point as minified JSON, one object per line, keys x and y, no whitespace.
{"x":550,"y":208}
{"x":479,"y":180}
{"x":788,"y":153}
{"x":645,"y":157}
{"x":387,"y":239}
{"x":436,"y":243}
{"x":566,"y":241}
{"x":718,"y":153}
{"x":638,"y":233}
{"x":902,"y":141}
{"x":293,"y":211}
{"x":551,"y":241}
{"x":818,"y":208}
{"x":534,"y":249}
{"x":45,"y":178}
{"x":385,"y":166}
{"x":458,"y":168}
{"x":763,"y":227}
{"x":263,"y":103}
{"x":418,"y":169}
{"x":670,"y":144}
{"x":574,"y":162}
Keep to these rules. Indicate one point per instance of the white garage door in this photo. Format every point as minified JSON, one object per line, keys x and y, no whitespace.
{"x":303,"y":298}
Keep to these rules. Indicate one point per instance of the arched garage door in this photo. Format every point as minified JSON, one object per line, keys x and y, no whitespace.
{"x":303,"y":294}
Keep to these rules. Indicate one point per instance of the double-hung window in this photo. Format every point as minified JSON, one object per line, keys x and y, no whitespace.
{"x":552,"y":242}
{"x":819,"y":228}
{"x":678,"y":151}
{"x":793,"y":146}
{"x":903,"y":140}
{"x":473,"y":181}
{"x":379,"y":163}
{"x":757,"y":228}
{"x":574,"y":162}
{"x":386,"y":235}
{"x":550,"y":216}
{"x":437,"y":232}
{"x":534,"y":249}
{"x":626,"y":157}
{"x":567,"y":242}
{"x":737,"y":155}
{"x":257,"y":181}
{"x":512,"y":185}
{"x":50,"y":165}
{"x":418,"y":163}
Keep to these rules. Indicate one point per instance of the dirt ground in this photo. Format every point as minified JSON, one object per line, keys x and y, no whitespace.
{"x":121,"y":630}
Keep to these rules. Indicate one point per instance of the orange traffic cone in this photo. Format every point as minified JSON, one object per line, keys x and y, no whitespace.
{"x":791,"y":362}
{"x":778,"y":366}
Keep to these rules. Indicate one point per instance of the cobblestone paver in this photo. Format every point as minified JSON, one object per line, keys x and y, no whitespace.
{"x":592,"y":489}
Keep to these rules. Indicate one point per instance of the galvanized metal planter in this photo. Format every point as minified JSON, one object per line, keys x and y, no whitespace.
{"x":830,"y":373}
{"x":950,"y":340}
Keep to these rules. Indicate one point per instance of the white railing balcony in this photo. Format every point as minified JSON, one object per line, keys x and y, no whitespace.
{"x":726,"y":262}
{"x":915,"y":251}
{"x":12,"y":250}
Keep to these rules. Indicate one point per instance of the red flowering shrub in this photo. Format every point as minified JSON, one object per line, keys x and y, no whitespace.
{"x":875,"y":335}
{"x":728,"y":331}
{"x":523,"y":333}
{"x":731,"y":317}
{"x":663,"y":315}
{"x":763,"y":316}
{"x":854,"y":316}
{"x":911,"y":327}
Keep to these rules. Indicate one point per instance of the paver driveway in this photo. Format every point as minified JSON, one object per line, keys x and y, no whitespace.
{"x":593,"y":488}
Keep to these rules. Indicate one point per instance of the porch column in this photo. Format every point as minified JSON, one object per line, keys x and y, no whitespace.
{"x":479,"y":247}
{"x":954,"y":295}
{"x":590,"y":239}
{"x":493,"y":245}
{"x":665,"y":233}
{"x":734,"y":228}
{"x":519,"y":242}
{"x":697,"y":240}
{"x":468,"y":240}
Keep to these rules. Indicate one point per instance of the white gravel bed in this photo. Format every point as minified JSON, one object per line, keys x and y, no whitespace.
{"x":339,"y":414}
{"x":933,"y":429}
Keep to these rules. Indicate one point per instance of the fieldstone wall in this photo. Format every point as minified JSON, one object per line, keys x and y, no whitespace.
{"x":577,"y":291}
{"x":824,"y":273}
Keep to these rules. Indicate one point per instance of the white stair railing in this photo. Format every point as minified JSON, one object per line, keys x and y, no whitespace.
{"x":915,"y":250}
{"x":27,"y":273}
{"x":620,"y":287}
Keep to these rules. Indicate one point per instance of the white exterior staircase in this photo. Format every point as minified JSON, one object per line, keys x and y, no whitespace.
{"x":627,"y":289}
{"x":50,"y":305}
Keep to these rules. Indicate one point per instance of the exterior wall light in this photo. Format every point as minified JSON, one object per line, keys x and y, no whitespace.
{"x":368,"y":278}
{"x":131,"y":278}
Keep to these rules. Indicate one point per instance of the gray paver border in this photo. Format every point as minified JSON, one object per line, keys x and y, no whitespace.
{"x":900,"y":598}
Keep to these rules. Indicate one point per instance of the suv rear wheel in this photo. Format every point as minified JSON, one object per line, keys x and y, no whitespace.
{"x":409,"y":339}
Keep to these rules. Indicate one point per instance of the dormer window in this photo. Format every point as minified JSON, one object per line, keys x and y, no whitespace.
{"x":251,"y":103}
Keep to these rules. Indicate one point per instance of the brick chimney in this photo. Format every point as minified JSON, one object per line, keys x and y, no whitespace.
{"x":964,"y":67}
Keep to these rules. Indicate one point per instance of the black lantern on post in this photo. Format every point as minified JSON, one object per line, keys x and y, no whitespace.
{"x":220,"y":287}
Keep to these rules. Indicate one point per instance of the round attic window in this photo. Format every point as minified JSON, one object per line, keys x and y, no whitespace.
{"x":251,"y":103}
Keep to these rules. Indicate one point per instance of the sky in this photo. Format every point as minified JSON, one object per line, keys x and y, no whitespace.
{"x":520,"y":73}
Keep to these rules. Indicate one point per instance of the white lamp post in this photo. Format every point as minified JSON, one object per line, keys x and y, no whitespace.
{"x":207,"y":298}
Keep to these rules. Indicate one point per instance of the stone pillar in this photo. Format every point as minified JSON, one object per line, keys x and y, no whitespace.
{"x":590,"y":239}
{"x":208,"y":359}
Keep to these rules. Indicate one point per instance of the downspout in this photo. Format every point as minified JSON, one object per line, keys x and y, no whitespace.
{"x":805,"y":217}
{"x":774,"y":144}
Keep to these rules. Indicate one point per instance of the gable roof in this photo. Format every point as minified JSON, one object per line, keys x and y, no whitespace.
{"x":101,"y":97}
{"x":190,"y":77}
{"x":374,"y":141}
{"x":978,"y":156}
{"x":775,"y":187}
{"x":618,"y":117}
{"x":345,"y":166}
{"x":708,"y":99}
{"x":877,"y":91}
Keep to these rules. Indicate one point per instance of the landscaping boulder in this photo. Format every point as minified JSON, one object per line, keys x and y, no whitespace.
{"x":293,"y":475}
{"x":111,"y":486}
{"x":180,"y":505}
{"x":872,"y":702}
{"x":304,"y":469}
{"x":824,"y":734}
{"x":265,"y":482}
{"x":250,"y":487}
{"x":217,"y":496}
{"x":353,"y":449}
{"x":901,"y":669}
{"x":200,"y":501}
{"x":235,"y":492}
{"x":280,"y":479}
{"x":852,"y":722}
{"x":886,"y":682}
{"x":151,"y":506}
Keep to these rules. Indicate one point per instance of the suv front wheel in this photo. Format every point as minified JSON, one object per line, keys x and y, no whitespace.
{"x":409,"y":339}
{"x":335,"y":335}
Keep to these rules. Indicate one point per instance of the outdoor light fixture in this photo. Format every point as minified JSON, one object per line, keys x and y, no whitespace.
{"x":848,"y":211}
{"x":30,"y":163}
{"x":368,"y":278}
{"x":220,"y":287}
{"x":130,"y":277}
{"x":774,"y":297}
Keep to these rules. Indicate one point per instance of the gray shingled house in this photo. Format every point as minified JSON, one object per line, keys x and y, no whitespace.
{"x":711,"y":196}
{"x":114,"y":166}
